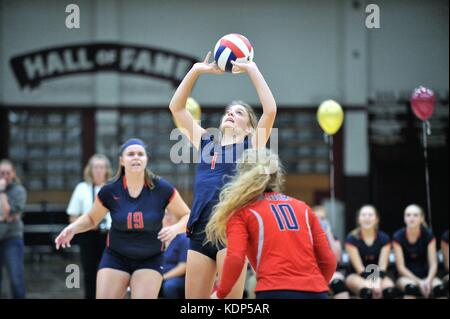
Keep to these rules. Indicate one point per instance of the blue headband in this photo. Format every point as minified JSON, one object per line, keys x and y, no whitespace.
{"x":132,"y":141}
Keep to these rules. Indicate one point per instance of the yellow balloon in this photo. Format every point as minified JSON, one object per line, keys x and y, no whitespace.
{"x":194,"y":108}
{"x":330,"y":116}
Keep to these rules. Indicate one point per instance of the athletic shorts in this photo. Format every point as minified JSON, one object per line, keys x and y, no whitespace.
{"x":114,"y":260}
{"x":197,"y":241}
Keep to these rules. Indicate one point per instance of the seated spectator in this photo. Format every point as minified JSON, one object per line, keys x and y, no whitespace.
{"x":368,"y":249}
{"x":174,"y":263}
{"x":337,"y":285}
{"x":416,"y":258}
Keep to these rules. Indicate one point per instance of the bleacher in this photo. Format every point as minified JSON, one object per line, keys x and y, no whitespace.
{"x":43,"y":222}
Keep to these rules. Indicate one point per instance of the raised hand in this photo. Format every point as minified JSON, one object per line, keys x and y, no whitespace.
{"x":243,"y":67}
{"x":206,"y":66}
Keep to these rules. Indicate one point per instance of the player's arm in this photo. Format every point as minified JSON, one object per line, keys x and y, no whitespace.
{"x":237,"y":236}
{"x":432,"y":260}
{"x":178,"y":103}
{"x":383,"y":260}
{"x":444,"y":246}
{"x":355,"y":258}
{"x":84,"y":223}
{"x":178,"y":208}
{"x":269,"y":106}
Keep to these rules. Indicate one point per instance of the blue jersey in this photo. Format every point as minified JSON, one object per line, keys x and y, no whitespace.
{"x":415,"y":254}
{"x":176,"y":252}
{"x":217,"y":166}
{"x":369,"y":254}
{"x":136,"y":221}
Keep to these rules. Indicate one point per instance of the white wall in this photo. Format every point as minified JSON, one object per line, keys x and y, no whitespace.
{"x":411,"y":47}
{"x":304,"y":48}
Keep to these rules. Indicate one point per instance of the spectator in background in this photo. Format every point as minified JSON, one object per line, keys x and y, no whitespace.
{"x":368,"y":246}
{"x":12,"y":204}
{"x":337,"y":284}
{"x":415,"y":257}
{"x":92,"y":243}
{"x":444,"y":248}
{"x":175,"y":257}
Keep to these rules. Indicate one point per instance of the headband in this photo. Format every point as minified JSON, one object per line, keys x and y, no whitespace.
{"x":132,"y":141}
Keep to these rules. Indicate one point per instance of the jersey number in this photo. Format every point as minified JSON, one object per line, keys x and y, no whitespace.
{"x":285,"y":216}
{"x":135,"y":220}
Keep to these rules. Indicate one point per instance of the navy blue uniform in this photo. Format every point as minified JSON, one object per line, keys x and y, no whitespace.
{"x":369,"y":254}
{"x":133,"y":239}
{"x":415,"y":254}
{"x":217,"y":165}
{"x":173,"y":288}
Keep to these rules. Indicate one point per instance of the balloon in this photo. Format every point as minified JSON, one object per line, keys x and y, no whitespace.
{"x":330,"y":116}
{"x":194,"y":108}
{"x":422,"y":102}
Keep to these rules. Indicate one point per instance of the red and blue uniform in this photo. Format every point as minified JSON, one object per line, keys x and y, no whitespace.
{"x":217,"y":165}
{"x":286,"y":246}
{"x":415,"y":254}
{"x":133,"y":239}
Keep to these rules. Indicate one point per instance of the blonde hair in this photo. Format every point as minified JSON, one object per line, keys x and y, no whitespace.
{"x":258,"y":170}
{"x":355,"y":232}
{"x":87,"y":173}
{"x":422,"y":213}
{"x":149,"y":176}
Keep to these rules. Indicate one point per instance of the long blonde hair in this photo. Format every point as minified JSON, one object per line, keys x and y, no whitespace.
{"x":258,"y":170}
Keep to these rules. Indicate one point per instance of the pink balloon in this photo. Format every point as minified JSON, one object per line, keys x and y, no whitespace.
{"x":423,"y":102}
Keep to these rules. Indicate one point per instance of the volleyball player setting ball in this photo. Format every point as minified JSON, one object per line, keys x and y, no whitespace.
{"x":240,"y":130}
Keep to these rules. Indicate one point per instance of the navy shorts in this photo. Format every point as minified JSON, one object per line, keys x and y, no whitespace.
{"x":197,"y":241}
{"x":290,"y":294}
{"x":112,"y":259}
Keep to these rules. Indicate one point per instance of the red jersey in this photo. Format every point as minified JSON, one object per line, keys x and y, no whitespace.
{"x":285,"y":244}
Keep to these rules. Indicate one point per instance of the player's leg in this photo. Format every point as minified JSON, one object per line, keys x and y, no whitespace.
{"x":338,"y":287}
{"x":112,"y":283}
{"x":145,"y":284}
{"x":358,"y":286}
{"x":200,"y":275}
{"x":409,"y":288}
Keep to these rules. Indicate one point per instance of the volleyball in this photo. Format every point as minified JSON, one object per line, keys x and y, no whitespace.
{"x":232,"y":47}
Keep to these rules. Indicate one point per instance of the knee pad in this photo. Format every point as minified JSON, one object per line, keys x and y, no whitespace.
{"x":337,"y":286}
{"x":365,"y":293}
{"x":412,"y":290}
{"x":440,"y":291}
{"x":391,"y":293}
